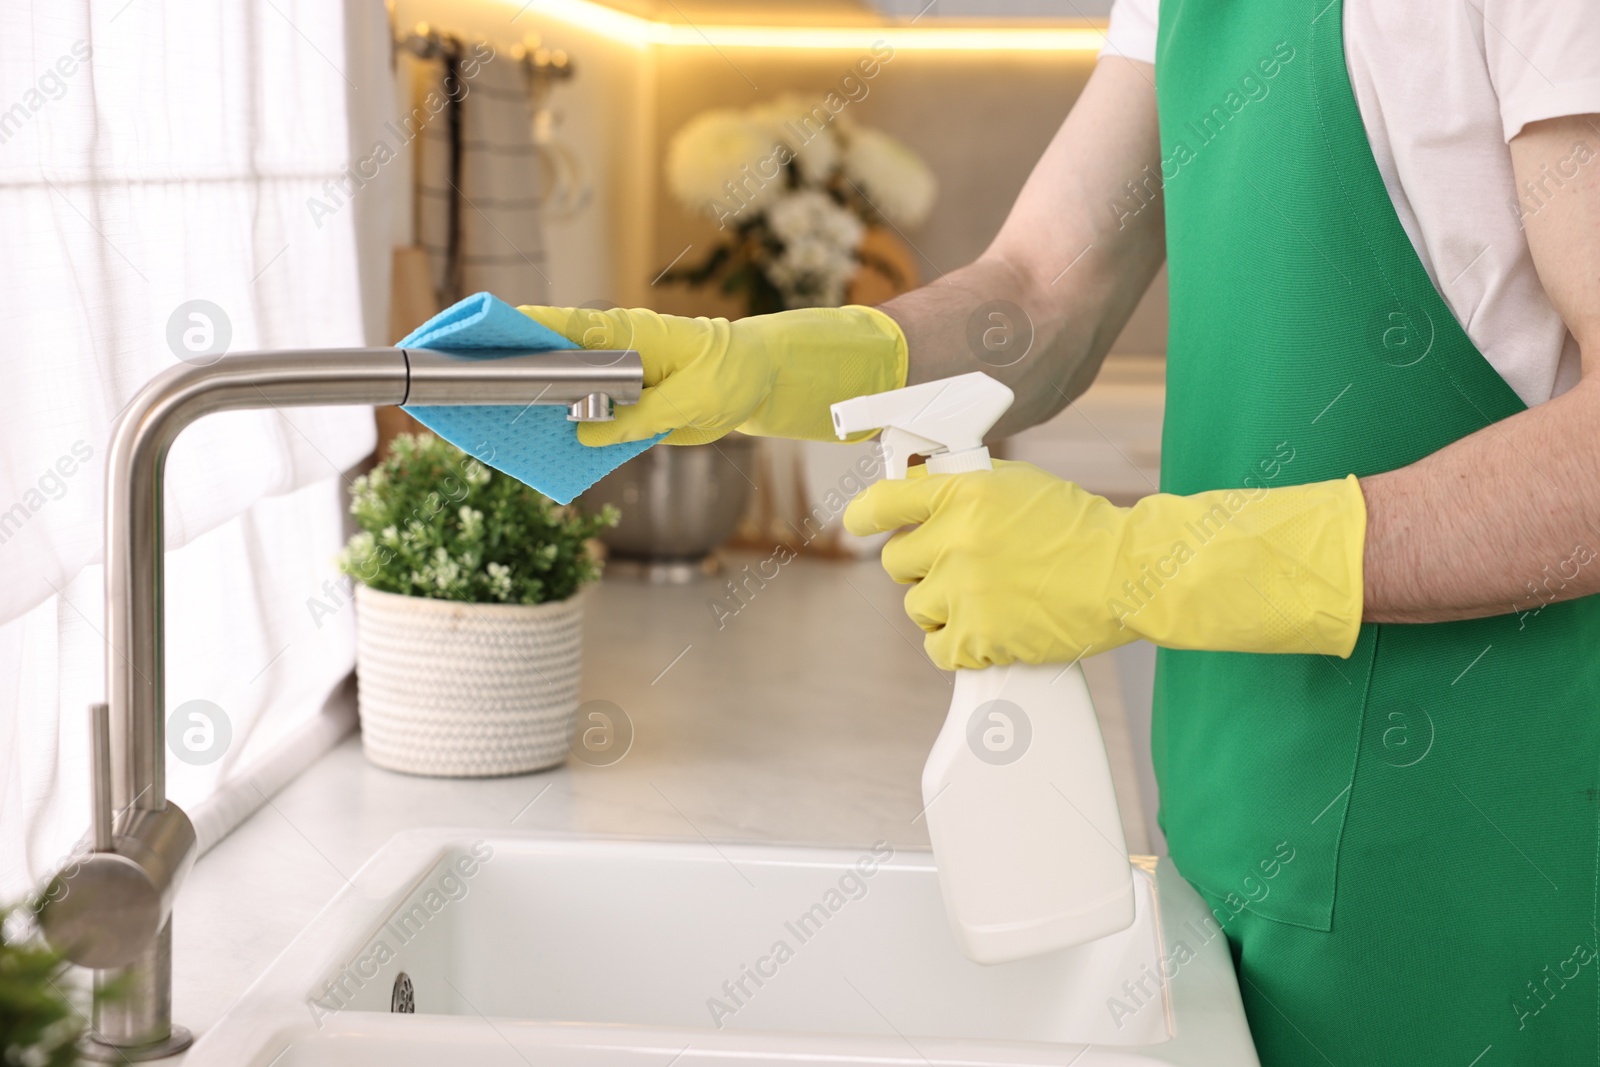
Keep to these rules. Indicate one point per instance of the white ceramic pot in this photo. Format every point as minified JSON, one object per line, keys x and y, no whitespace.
{"x":466,"y":690}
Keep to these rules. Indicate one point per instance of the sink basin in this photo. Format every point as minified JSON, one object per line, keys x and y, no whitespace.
{"x":600,"y":952}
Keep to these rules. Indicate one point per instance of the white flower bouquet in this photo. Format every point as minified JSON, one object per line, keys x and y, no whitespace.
{"x":795,"y":188}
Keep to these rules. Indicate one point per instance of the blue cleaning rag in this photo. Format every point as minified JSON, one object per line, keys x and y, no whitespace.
{"x":535,"y":445}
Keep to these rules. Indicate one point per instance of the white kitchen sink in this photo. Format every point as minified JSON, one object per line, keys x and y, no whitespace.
{"x":585,"y":952}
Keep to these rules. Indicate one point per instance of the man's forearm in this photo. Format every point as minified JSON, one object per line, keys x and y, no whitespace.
{"x":1507,"y":519}
{"x":980,"y":317}
{"x":1041,"y":307}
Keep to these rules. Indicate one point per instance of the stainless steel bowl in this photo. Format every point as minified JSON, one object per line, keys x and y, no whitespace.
{"x":678,"y":504}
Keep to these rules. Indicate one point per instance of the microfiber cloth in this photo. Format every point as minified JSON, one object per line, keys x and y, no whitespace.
{"x":534,"y":444}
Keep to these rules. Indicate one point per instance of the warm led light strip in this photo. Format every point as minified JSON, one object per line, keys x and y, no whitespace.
{"x":619,"y":25}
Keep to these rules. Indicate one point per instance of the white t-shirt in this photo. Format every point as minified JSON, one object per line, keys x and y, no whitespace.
{"x":1443,"y":86}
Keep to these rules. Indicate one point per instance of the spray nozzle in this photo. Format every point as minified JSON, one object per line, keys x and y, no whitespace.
{"x":945,"y":420}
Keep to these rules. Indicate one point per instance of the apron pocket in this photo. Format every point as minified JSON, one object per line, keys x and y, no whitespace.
{"x":1256,"y":757}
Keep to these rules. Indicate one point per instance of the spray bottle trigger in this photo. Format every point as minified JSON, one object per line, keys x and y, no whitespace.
{"x":900,"y":445}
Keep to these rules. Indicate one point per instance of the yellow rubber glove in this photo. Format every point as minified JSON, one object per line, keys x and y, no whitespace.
{"x":768,"y":375}
{"x":1016,"y":564}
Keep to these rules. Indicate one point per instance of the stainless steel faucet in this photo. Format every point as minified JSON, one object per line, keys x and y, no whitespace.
{"x":111,"y":908}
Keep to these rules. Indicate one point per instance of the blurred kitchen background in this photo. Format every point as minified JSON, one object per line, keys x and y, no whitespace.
{"x":976,"y":109}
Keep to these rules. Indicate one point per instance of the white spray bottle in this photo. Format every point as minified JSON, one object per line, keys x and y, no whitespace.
{"x":1017,"y":790}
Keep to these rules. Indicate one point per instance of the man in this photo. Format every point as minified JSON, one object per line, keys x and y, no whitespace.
{"x":1369,"y":567}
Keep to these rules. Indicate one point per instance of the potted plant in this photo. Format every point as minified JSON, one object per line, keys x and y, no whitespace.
{"x":469,"y":614}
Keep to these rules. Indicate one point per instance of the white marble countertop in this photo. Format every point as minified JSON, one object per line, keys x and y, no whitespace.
{"x":804,"y":719}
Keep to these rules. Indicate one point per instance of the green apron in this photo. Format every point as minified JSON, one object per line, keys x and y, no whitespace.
{"x":1401,"y":845}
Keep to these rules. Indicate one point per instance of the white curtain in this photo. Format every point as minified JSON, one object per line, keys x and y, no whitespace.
{"x":153,"y":155}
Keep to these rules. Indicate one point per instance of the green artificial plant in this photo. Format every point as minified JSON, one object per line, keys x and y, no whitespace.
{"x":39,"y":1024}
{"x":437,"y":523}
